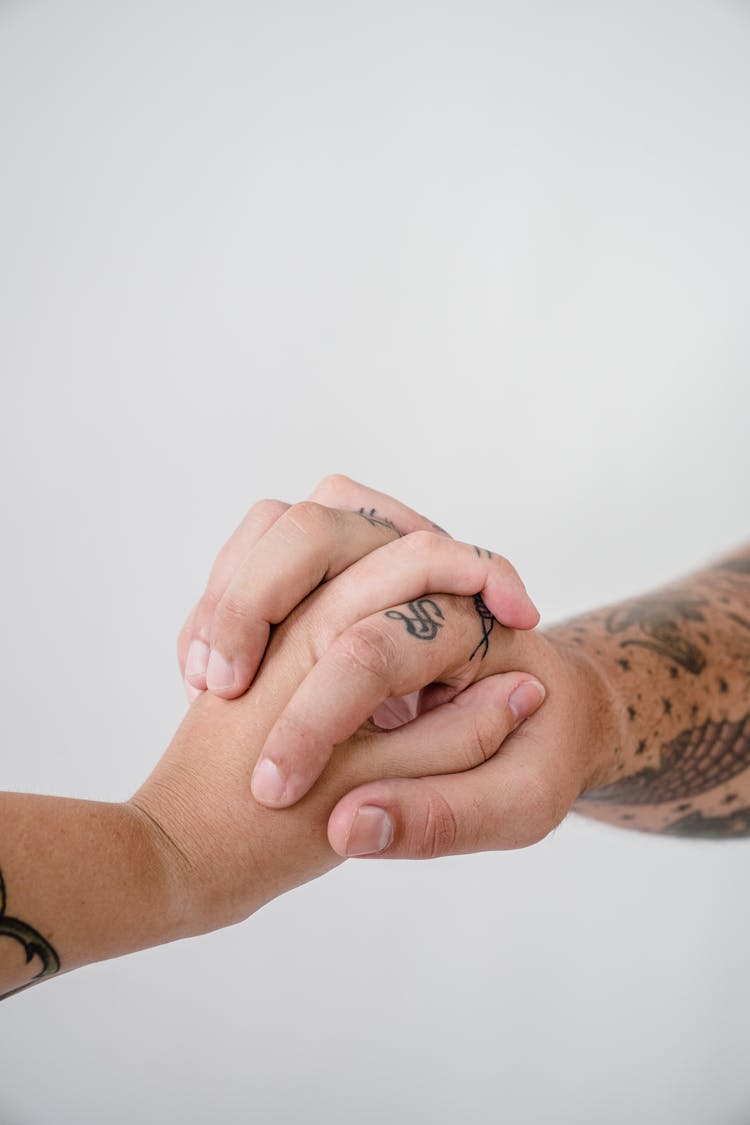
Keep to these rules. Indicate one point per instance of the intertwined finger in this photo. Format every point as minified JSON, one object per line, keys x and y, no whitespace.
{"x":193,"y":641}
{"x":425,"y":563}
{"x":226,"y":617}
{"x":512,"y":800}
{"x":339,"y":491}
{"x":309,"y":544}
{"x":391,"y":653}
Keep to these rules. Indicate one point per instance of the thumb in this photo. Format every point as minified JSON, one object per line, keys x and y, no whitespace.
{"x":510,"y":801}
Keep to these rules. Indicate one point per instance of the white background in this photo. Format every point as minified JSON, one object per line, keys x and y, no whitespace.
{"x":492,"y":257}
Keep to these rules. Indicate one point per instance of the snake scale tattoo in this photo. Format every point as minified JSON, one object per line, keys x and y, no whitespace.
{"x":694,"y":762}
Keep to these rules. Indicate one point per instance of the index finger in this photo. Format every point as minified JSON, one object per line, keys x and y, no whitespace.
{"x":339,"y":491}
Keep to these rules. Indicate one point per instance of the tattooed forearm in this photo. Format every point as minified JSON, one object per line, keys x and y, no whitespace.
{"x":34,"y":945}
{"x":660,"y":619}
{"x":694,"y":762}
{"x":678,"y":664}
{"x":735,"y":824}
{"x":425,"y":620}
{"x":736,"y":564}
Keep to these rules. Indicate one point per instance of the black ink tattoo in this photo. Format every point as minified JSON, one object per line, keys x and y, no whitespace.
{"x":34,"y":945}
{"x":738,"y":565}
{"x":421,"y":624}
{"x":482,"y":551}
{"x":694,"y":762}
{"x":487,"y":619}
{"x":378,"y":521}
{"x":660,"y":618}
{"x":739,"y":620}
{"x":735,"y":824}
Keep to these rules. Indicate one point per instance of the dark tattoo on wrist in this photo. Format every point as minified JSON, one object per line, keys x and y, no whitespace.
{"x":694,"y":762}
{"x":487,"y":619}
{"x":34,"y":945}
{"x":735,"y":824}
{"x":422,"y":623}
{"x":377,"y":521}
{"x":661,"y":618}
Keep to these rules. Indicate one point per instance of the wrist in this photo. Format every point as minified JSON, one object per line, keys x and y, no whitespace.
{"x":167,"y":904}
{"x":101,"y":891}
{"x":597,"y":711}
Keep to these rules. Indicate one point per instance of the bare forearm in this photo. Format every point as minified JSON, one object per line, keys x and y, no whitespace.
{"x":190,"y":852}
{"x":81,"y":883}
{"x":678,"y":664}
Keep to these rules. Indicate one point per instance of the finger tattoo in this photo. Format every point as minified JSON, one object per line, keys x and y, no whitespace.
{"x":422,"y":623}
{"x":378,"y":521}
{"x":487,"y":619}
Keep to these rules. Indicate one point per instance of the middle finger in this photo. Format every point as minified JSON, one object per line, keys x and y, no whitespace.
{"x":390,"y":653}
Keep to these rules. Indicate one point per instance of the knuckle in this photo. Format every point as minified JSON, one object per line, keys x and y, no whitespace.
{"x":205,"y":612}
{"x":424,"y":542}
{"x":333,"y":484}
{"x":504,"y":566}
{"x":368,"y":648}
{"x":210,"y":599}
{"x":267,"y":511}
{"x":308,"y":517}
{"x":485,"y":738}
{"x":229,"y":618}
{"x":542,"y":808}
{"x":439,"y":829}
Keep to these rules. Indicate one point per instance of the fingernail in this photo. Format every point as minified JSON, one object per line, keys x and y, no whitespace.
{"x":197,"y":660}
{"x":220,"y":673}
{"x":191,"y":692}
{"x":371,"y":831}
{"x":268,"y":785}
{"x":525,"y":700}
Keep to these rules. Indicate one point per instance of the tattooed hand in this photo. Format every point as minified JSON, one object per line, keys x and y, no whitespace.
{"x":647,"y":718}
{"x":647,"y":721}
{"x":280,"y":553}
{"x":193,"y":850}
{"x":374,"y":663}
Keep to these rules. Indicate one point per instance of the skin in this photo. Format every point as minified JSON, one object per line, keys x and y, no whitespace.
{"x":646,"y":722}
{"x":192,"y":850}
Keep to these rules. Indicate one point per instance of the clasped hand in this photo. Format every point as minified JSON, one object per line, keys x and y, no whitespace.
{"x":417,"y":644}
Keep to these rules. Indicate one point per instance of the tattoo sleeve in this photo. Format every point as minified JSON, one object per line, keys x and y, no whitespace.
{"x":679,"y":661}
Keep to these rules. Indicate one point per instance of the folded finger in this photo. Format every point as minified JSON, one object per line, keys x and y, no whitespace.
{"x":511,"y":801}
{"x":193,"y":650}
{"x":391,"y":653}
{"x":339,"y":491}
{"x":427,"y":563}
{"x":458,"y":735}
{"x":309,"y":544}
